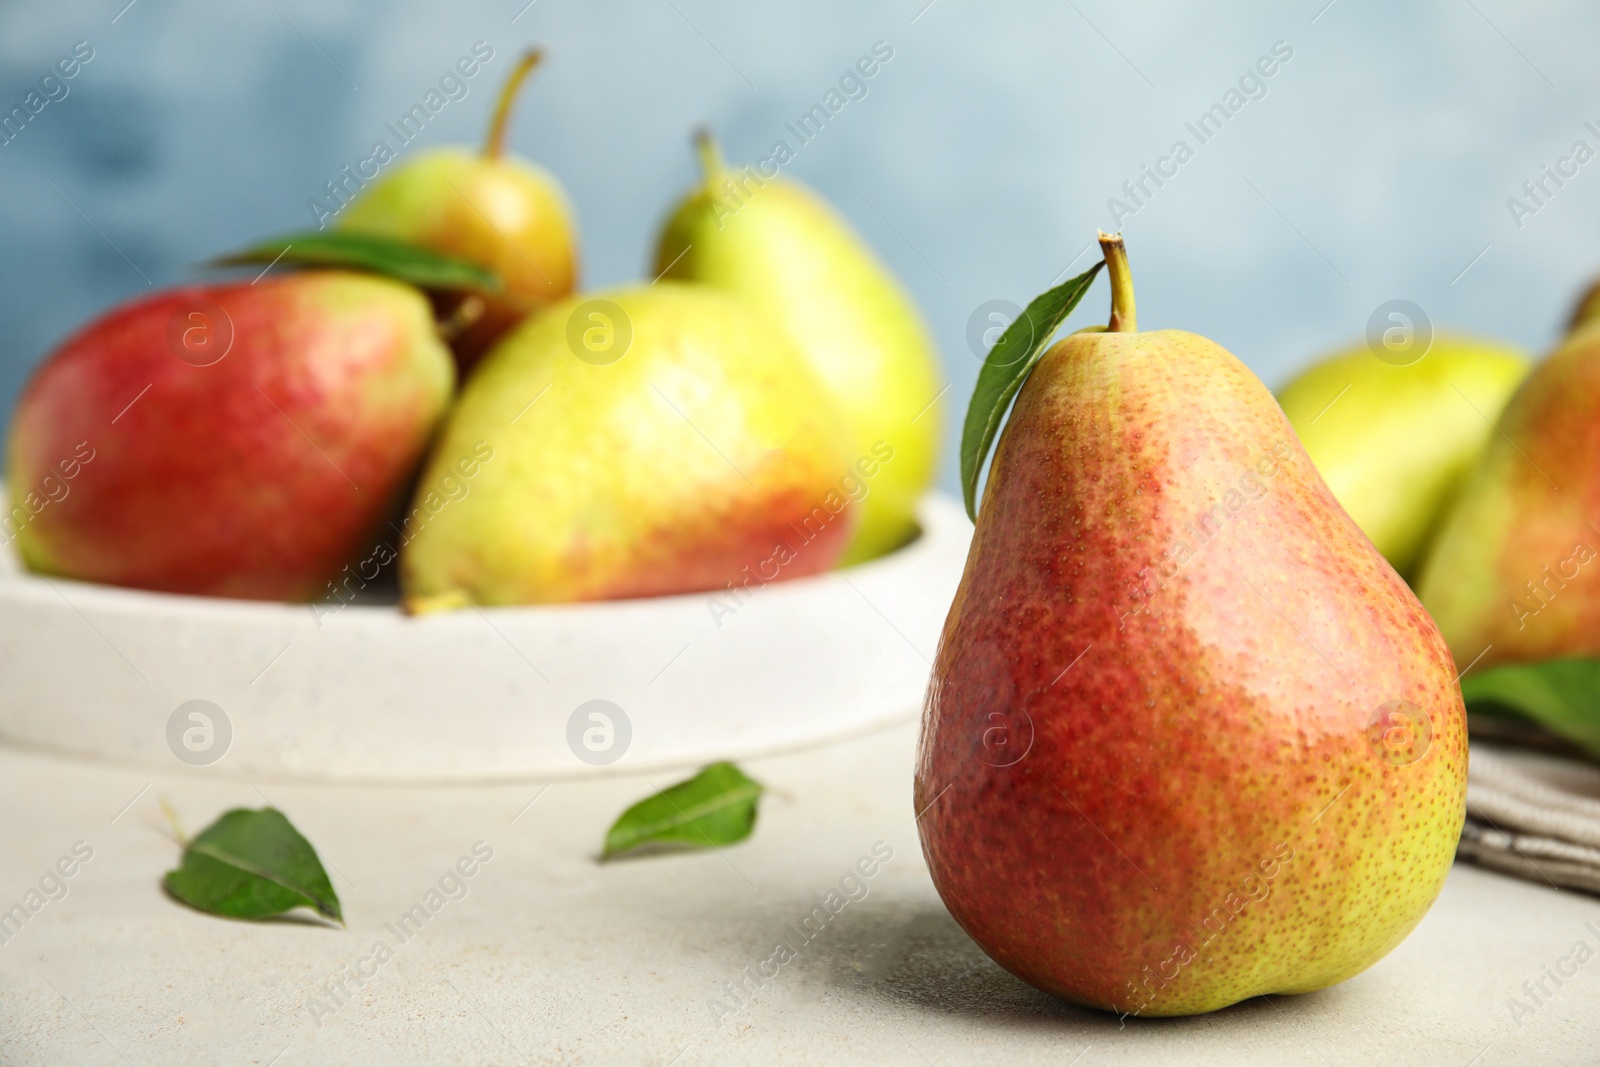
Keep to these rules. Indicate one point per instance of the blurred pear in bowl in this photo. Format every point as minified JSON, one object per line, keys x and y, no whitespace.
{"x":489,"y":208}
{"x":641,"y":442}
{"x":238,"y":440}
{"x":1394,"y":439}
{"x":776,"y":244}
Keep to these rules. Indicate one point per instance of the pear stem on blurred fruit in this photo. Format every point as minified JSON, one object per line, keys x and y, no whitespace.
{"x":495,"y":146}
{"x":464,"y":316}
{"x":711,"y":163}
{"x":1123,"y":319}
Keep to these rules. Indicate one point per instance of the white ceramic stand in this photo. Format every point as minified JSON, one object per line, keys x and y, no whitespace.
{"x":368,"y":694}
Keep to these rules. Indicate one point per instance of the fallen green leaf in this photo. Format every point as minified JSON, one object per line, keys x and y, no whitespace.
{"x":715,"y":807}
{"x":1562,"y":695}
{"x":252,"y":865}
{"x":1006,"y":367}
{"x":400,"y":260}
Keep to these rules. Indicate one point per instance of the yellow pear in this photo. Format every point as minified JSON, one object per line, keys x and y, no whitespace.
{"x":1394,"y":441}
{"x":647,"y":441}
{"x":779,"y":246}
{"x":488,"y":208}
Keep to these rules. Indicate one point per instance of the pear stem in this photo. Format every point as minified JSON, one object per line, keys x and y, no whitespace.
{"x":1123,"y":317}
{"x":495,"y":146}
{"x":711,"y":162}
{"x":465,"y":316}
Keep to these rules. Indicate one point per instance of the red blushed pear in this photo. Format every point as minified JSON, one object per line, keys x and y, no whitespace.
{"x":230,"y":440}
{"x":490,"y":209}
{"x":1512,"y":576}
{"x":1189,"y":738}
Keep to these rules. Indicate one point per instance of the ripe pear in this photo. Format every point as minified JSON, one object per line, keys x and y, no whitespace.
{"x":779,"y":246}
{"x":488,"y":208}
{"x":1189,"y":738}
{"x":228,"y":440}
{"x":655,"y":440}
{"x":1511,"y":576}
{"x":1394,"y":442}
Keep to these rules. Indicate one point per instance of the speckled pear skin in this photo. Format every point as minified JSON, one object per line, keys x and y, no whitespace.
{"x":1513,"y":574}
{"x":1146,"y":777}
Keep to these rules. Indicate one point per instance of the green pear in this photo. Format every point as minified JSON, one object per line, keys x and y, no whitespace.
{"x":1512,"y":575}
{"x":489,"y":209}
{"x":1394,"y":442}
{"x":656,"y":440}
{"x":1189,"y":739}
{"x":776,"y":244}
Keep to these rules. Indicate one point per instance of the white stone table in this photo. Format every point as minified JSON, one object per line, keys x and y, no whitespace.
{"x":550,"y":957}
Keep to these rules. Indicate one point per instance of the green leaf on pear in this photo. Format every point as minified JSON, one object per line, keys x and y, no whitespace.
{"x":1006,"y":367}
{"x":252,"y":865}
{"x":1562,"y":695}
{"x":715,"y":807}
{"x":400,"y":260}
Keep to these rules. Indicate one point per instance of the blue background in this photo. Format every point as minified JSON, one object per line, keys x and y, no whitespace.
{"x":1378,"y":165}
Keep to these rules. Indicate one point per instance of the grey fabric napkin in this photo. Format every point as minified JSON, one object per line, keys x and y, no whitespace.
{"x":1533,"y":814}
